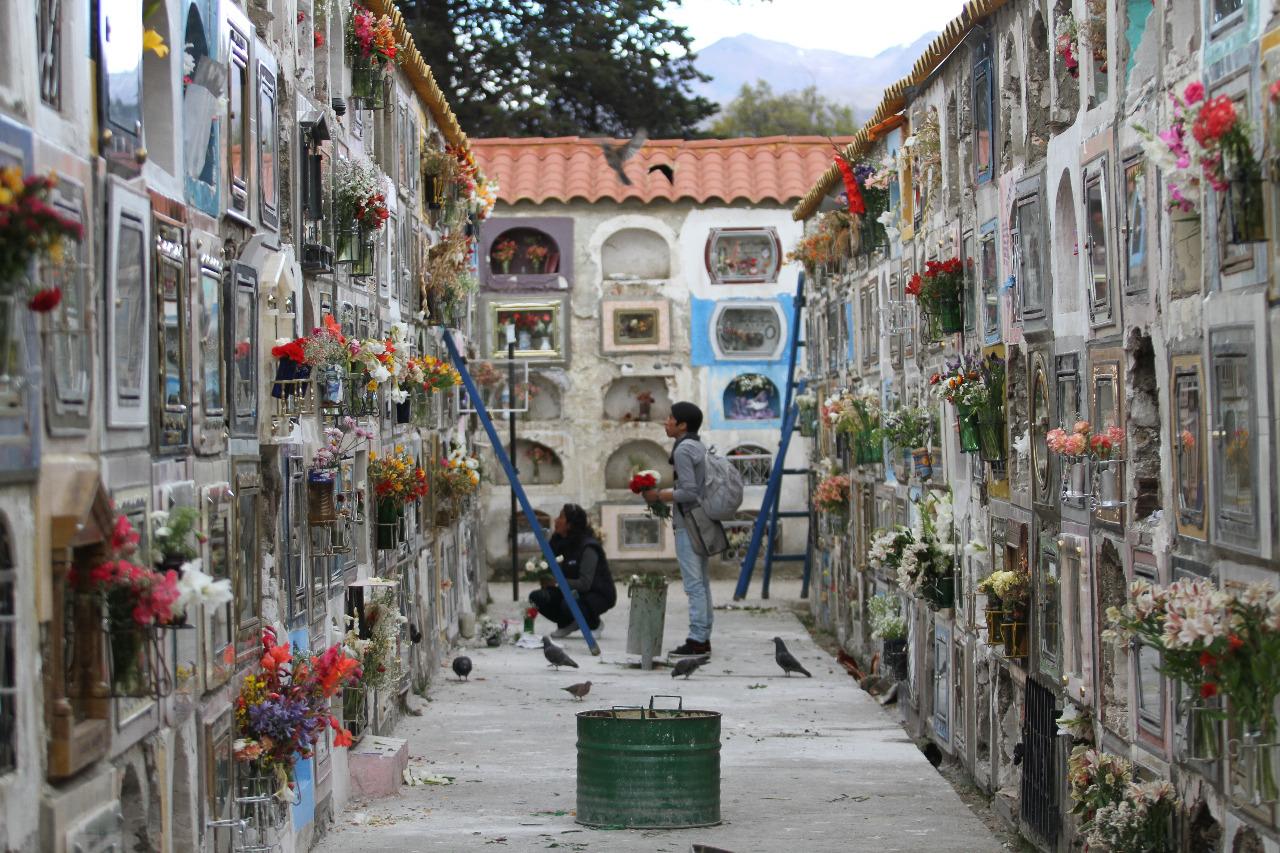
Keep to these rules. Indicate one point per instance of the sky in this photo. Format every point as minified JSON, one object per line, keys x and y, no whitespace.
{"x":857,"y":27}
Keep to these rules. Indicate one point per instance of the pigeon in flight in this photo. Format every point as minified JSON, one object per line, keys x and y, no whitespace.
{"x":578,"y":690}
{"x":786,"y":660}
{"x":555,"y":655}
{"x":617,"y":155}
{"x":462,"y":666}
{"x":686,"y":666}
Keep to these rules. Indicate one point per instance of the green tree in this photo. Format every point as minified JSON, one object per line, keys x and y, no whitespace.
{"x":758,"y":111}
{"x":584,"y":67}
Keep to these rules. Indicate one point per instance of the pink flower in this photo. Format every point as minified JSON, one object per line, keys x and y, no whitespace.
{"x":1115,"y":435}
{"x":1074,"y":444}
{"x":1081,"y":427}
{"x":1055,"y":440}
{"x":1273,"y":92}
{"x":1194,"y":93}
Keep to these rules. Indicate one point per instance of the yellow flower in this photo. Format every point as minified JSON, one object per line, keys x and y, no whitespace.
{"x":372,"y":386}
{"x":55,"y":252}
{"x":6,"y":197}
{"x":399,"y":448}
{"x":154,"y":42}
{"x":11,"y":177}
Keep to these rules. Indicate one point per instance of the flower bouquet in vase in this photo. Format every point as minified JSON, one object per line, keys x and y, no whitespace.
{"x":831,"y":497}
{"x":1091,"y":464}
{"x":371,"y":42}
{"x":32,"y":228}
{"x":939,"y":292}
{"x":503,"y":252}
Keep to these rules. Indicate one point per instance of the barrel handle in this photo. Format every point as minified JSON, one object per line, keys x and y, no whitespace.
{"x":616,"y":708}
{"x":679,"y":699}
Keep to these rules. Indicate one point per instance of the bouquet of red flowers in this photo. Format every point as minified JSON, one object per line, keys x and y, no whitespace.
{"x":643,"y":482}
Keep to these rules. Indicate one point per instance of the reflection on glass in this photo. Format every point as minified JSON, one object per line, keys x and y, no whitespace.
{"x":244,"y":355}
{"x":1223,"y":9}
{"x":129,"y":312}
{"x":1104,"y":401}
{"x":267,"y":143}
{"x":1188,"y":445}
{"x":71,"y":345}
{"x":247,"y":546}
{"x":220,"y":619}
{"x":743,"y":331}
{"x":1150,"y":685}
{"x":1039,"y":432}
{"x":1032,"y":282}
{"x":171,"y":372}
{"x":211,"y":340}
{"x":990,"y":288}
{"x":982,"y":120}
{"x":238,"y":118}
{"x":1050,"y":610}
{"x":1097,"y":230}
{"x":1135,"y":206}
{"x":970,"y":315}
{"x":121,"y":40}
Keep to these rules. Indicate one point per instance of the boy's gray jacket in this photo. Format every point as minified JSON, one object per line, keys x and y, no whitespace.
{"x":689,"y":460}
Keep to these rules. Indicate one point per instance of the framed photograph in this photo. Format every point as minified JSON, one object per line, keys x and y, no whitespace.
{"x":743,"y":255}
{"x":635,"y":325}
{"x":748,"y":330}
{"x":629,"y":533}
{"x":538,"y":323}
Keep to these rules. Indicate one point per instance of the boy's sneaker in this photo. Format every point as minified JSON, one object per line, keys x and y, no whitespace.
{"x":691,"y":648}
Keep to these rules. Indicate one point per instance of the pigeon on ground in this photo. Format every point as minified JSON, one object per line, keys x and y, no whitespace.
{"x":786,"y":660}
{"x":462,"y":666}
{"x":686,"y":666}
{"x":578,"y":690}
{"x":555,"y":655}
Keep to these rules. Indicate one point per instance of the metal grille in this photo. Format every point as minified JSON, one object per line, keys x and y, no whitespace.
{"x":1040,"y":809}
{"x":8,"y":657}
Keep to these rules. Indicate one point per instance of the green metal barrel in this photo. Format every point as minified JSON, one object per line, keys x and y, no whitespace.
{"x":649,"y":768}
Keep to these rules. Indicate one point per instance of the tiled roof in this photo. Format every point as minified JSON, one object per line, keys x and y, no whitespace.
{"x":776,"y":169}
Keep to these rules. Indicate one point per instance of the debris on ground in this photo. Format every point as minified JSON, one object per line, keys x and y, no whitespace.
{"x":414,"y":776}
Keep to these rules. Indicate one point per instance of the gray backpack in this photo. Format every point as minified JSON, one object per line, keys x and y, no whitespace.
{"x":722,"y":487}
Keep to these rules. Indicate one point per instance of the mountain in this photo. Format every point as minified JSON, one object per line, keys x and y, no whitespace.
{"x":856,"y":80}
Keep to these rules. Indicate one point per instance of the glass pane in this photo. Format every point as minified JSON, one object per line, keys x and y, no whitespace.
{"x":970,"y":286}
{"x":50,"y":50}
{"x":200,"y":142}
{"x":1105,"y":401}
{"x":982,"y":120}
{"x":267,"y":141}
{"x":1029,"y":256}
{"x":71,"y":345}
{"x":1231,"y":378}
{"x":247,"y":550}
{"x":743,"y":256}
{"x":220,"y":619}
{"x":121,"y":39}
{"x":245,"y":398}
{"x":237,"y":118}
{"x":1189,"y":443}
{"x":171,"y":372}
{"x":130,"y":341}
{"x":211,"y":340}
{"x":1097,"y":229}
{"x":1223,"y":9}
{"x":990,"y":289}
{"x":10,"y":353}
{"x":1039,"y":431}
{"x":1136,"y":224}
{"x":1049,"y":611}
{"x":1068,"y":398}
{"x":748,"y":331}
{"x":1150,"y":692}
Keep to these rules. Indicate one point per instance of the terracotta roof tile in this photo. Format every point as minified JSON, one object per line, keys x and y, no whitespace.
{"x":777,"y":168}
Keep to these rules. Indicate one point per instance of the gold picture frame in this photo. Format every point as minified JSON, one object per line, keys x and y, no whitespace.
{"x":540,"y":332}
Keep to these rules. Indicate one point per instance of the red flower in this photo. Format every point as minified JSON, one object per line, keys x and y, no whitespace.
{"x":935,"y":379}
{"x":1207,"y":659}
{"x":45,"y":299}
{"x":531,"y":613}
{"x":292,"y":350}
{"x":343,"y":738}
{"x":1217,"y":116}
{"x":276,"y":657}
{"x":1208,"y":690}
{"x":642,"y":483}
{"x":1235,"y":643}
{"x":1194,"y":93}
{"x":319,"y":39}
{"x":913,"y":286}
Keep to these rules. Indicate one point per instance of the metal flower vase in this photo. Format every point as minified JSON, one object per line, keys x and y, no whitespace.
{"x":646,"y":620}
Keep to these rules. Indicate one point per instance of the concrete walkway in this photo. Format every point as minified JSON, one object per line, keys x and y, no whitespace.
{"x":807,"y":764}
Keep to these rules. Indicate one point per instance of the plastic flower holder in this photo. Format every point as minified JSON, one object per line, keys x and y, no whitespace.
{"x":133,"y":659}
{"x":944,"y":317}
{"x":368,"y":85}
{"x":389,"y":525}
{"x":867,"y":449}
{"x":322,"y":508}
{"x":355,"y":710}
{"x":1255,"y":760}
{"x":967,"y":420}
{"x":991,"y":434}
{"x":1198,"y":734}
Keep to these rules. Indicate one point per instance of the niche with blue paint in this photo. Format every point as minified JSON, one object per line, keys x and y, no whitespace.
{"x":751,"y":397}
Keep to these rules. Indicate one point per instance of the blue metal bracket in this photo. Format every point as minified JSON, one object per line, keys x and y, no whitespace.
{"x":503,"y":459}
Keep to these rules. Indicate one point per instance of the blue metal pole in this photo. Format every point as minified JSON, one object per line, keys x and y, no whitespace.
{"x":505,"y":461}
{"x":766,"y":506}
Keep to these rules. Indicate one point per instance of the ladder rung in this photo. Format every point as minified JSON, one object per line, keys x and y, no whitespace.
{"x":794,"y":513}
{"x":789,"y":558}
{"x":796,"y":470}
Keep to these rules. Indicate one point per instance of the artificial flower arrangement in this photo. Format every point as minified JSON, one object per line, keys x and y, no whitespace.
{"x":751,"y":383}
{"x":281,"y":713}
{"x":1066,"y":43}
{"x":441,"y":164}
{"x":887,"y":621}
{"x":939,"y":292}
{"x":807,"y":412}
{"x":1207,"y":139}
{"x":1082,"y":441}
{"x":886,"y":548}
{"x":457,"y":476}
{"x":374,"y":641}
{"x":1217,"y":642}
{"x":1119,"y":815}
{"x":361,"y":194}
{"x":813,"y":250}
{"x":503,"y":252}
{"x":31,"y":228}
{"x":926,"y":562}
{"x":340,"y":442}
{"x":831,"y":497}
{"x":1008,"y":592}
{"x":396,"y":477}
{"x":433,"y":374}
{"x":975,"y":386}
{"x":372,"y":38}
{"x":642,"y":482}
{"x":176,"y":534}
{"x":539,"y":455}
{"x":907,"y":427}
{"x":537,"y":255}
{"x":485,"y":375}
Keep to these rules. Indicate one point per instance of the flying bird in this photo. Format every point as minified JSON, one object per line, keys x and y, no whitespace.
{"x":555,"y":655}
{"x":462,"y":666}
{"x":617,"y":155}
{"x":786,"y":660}
{"x":578,"y":690}
{"x":686,"y":666}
